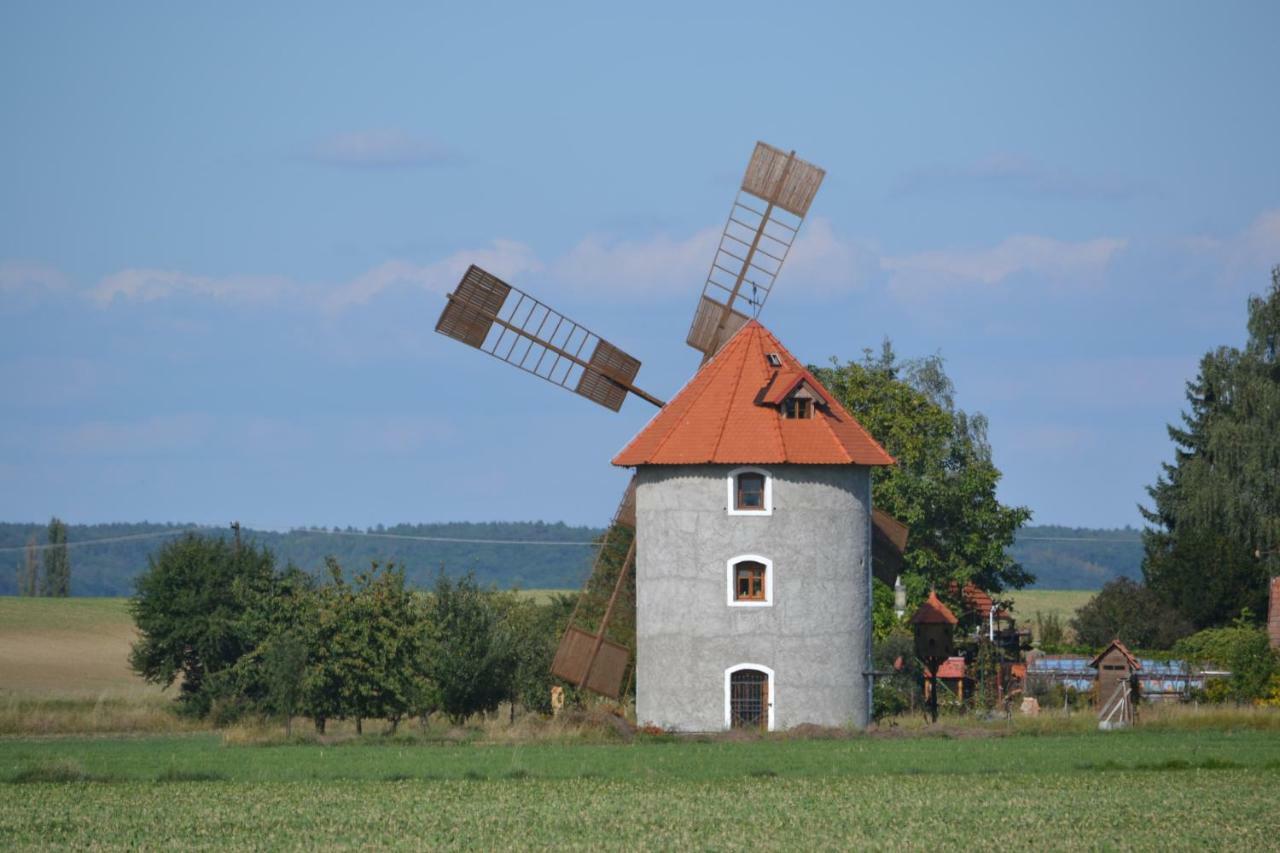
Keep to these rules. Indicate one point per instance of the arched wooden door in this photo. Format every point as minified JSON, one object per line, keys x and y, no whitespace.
{"x":749,"y":699}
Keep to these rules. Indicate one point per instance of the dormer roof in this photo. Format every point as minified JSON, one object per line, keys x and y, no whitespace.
{"x":728,"y":413}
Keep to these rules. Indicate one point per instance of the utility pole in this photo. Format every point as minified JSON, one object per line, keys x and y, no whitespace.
{"x":235,"y":526}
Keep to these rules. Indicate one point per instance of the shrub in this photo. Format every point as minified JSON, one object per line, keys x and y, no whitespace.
{"x":1241,"y":648}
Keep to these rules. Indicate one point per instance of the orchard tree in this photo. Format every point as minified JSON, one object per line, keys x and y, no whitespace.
{"x":1215,"y":524}
{"x":189,"y":610}
{"x":943,"y":486}
{"x":467,"y":662}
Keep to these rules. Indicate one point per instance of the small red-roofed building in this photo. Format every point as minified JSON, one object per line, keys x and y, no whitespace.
{"x":753,"y":548}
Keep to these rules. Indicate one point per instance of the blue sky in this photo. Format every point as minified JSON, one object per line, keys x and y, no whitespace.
{"x":226,"y":232}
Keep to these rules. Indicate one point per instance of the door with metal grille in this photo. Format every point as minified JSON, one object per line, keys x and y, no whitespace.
{"x":748,"y":699}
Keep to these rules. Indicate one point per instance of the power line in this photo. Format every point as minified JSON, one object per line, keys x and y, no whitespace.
{"x":553,"y":542}
{"x":81,"y":542}
{"x":1074,"y":539}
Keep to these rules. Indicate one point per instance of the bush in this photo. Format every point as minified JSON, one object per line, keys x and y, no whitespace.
{"x":1244,"y":650}
{"x":1132,"y":613}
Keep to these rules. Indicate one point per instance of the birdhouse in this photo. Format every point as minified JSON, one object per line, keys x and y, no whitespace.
{"x":933,"y":624}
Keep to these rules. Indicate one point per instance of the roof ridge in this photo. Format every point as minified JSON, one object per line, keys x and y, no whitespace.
{"x":737,"y":383}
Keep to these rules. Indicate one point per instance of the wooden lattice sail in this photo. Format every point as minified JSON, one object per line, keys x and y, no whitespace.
{"x":598,"y":644}
{"x":485,"y":312}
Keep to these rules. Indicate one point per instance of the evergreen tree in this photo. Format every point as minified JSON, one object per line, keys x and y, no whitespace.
{"x":943,"y":486}
{"x":1215,"y":534}
{"x":57,"y":562}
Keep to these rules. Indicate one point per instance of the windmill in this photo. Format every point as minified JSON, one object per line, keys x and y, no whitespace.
{"x":503,"y":321}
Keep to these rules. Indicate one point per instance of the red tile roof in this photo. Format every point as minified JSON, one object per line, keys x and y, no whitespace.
{"x":933,"y":611}
{"x":977,"y":601}
{"x":720,"y":416}
{"x":952,"y":667}
{"x":1116,"y":644}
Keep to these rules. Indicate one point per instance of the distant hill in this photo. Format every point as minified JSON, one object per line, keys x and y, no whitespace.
{"x":1059,"y":557}
{"x":1078,"y":557}
{"x":109,"y":568}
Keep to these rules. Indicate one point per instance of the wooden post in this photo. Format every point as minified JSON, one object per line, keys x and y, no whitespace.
{"x":608,"y":611}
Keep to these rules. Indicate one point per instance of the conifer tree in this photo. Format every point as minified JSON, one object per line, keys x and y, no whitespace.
{"x":1215,"y":534}
{"x":57,"y":562}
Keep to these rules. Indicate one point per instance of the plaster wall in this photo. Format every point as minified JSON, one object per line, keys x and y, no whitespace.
{"x":816,"y":635}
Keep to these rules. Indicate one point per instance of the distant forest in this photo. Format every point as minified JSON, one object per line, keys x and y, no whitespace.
{"x":1087,"y":561}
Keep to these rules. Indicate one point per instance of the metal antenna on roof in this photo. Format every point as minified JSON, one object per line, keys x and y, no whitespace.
{"x":597,"y":648}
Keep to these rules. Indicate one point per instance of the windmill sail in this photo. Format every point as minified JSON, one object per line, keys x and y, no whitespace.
{"x":487,"y":313}
{"x":763,"y":222}
{"x":598,"y":644}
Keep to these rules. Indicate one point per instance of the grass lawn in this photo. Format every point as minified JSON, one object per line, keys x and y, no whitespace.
{"x":865,"y":791}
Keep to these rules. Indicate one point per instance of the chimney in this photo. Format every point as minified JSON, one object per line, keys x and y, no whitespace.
{"x":1273,"y":614}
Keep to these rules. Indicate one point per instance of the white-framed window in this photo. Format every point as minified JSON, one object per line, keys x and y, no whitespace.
{"x":750,"y":492}
{"x":750,"y":581}
{"x":749,"y":696}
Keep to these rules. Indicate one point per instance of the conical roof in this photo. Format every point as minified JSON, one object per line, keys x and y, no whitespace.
{"x":933,"y":611}
{"x":728,"y":413}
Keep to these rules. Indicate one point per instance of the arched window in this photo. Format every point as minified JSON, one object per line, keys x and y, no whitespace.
{"x":750,"y":579}
{"x":748,"y":697}
{"x":750,"y":492}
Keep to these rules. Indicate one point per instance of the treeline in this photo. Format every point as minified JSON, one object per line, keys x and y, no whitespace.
{"x":240,"y":635}
{"x":1078,"y":557}
{"x":109,"y":568}
{"x":1058,"y":557}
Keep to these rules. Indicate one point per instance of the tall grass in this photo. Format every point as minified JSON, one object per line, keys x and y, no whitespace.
{"x":26,"y":715}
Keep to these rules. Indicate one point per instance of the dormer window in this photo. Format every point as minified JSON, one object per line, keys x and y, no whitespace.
{"x":750,"y":492}
{"x":797,"y":408}
{"x":773,"y":359}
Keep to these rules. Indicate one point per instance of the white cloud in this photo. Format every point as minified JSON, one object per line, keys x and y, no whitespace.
{"x":149,"y":285}
{"x":387,"y":148}
{"x":18,"y":278}
{"x":1246,"y":255}
{"x":666,"y":266}
{"x":1024,"y":254}
{"x":504,"y":258}
{"x":619,"y":269}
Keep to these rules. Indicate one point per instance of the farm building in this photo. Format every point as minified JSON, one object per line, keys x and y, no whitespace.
{"x":753,"y":548}
{"x":1157,"y":680}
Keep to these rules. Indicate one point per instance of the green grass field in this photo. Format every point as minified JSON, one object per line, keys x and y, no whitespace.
{"x":865,"y":791}
{"x":1183,"y":779}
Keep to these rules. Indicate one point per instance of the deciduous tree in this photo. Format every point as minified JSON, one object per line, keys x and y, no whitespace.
{"x":189,"y":613}
{"x":943,"y":486}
